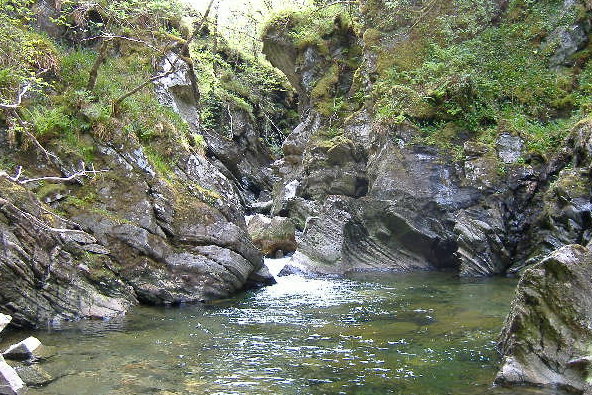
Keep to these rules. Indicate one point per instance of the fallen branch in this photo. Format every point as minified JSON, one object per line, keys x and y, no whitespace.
{"x":81,"y":173}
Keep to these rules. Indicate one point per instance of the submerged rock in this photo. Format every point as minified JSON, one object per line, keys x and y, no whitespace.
{"x":10,"y":382}
{"x":547,"y":335}
{"x":33,"y":375}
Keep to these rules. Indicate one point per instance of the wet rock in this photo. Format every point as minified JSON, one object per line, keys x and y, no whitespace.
{"x":480,"y":239}
{"x":10,"y":382}
{"x":4,"y":321}
{"x":260,"y":278}
{"x":33,"y":375}
{"x":24,"y":350}
{"x":272,"y":234}
{"x":546,"y":337}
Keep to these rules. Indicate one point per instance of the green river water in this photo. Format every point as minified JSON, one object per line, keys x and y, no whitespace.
{"x":426,"y":333}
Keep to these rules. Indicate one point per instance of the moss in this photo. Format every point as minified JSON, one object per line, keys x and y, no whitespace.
{"x":163,"y":165}
{"x":324,"y":91}
{"x":570,"y":184}
{"x":333,"y":142}
{"x":371,"y":37}
{"x":454,"y":66}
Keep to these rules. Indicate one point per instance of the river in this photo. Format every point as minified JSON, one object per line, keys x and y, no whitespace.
{"x":379,"y":333}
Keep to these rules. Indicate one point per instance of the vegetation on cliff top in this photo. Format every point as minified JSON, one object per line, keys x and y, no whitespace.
{"x":59,"y":89}
{"x":478,"y":69}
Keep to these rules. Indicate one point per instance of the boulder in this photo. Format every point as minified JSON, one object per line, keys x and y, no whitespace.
{"x":10,"y":382}
{"x":24,"y":350}
{"x":272,"y":234}
{"x":547,"y":335}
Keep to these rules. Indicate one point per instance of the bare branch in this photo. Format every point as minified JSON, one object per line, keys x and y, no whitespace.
{"x":21,"y":94}
{"x":80,"y":173}
{"x":19,"y":99}
{"x":25,"y":127}
{"x":342,"y":2}
{"x":67,"y":221}
{"x":117,"y":102}
{"x":111,"y":37}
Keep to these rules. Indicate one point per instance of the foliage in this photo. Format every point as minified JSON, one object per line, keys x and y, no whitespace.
{"x":480,"y":76}
{"x":24,"y":54}
{"x":230,"y":80}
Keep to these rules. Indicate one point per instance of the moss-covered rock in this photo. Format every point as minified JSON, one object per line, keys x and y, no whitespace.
{"x":546,"y":337}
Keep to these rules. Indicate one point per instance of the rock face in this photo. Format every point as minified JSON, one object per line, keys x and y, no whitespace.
{"x":372,"y":194}
{"x":44,"y":267}
{"x":271,"y":235}
{"x":159,"y":235}
{"x":546,"y":337}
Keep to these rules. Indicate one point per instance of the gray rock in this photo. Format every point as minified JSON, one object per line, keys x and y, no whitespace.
{"x":480,"y":239}
{"x":26,"y":349}
{"x":509,"y":147}
{"x":33,"y":375}
{"x":10,"y":382}
{"x":272,"y":234}
{"x":41,"y":282}
{"x":262,"y":207}
{"x":547,"y":334}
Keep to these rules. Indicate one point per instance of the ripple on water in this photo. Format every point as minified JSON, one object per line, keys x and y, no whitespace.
{"x":368,"y":334}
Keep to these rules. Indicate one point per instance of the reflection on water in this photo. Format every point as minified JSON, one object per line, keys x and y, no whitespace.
{"x":427,"y":333}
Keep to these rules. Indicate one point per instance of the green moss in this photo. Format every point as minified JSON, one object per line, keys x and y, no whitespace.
{"x":324,"y":91}
{"x":163,"y":165}
{"x":455,"y":67}
{"x":310,"y":27}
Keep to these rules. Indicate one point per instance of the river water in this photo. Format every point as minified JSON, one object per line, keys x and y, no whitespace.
{"x":381,"y":333}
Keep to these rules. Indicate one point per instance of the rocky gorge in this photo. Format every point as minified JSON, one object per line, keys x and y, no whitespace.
{"x":411,"y":151}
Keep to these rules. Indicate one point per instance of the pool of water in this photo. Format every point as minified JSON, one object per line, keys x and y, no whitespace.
{"x":426,"y":333}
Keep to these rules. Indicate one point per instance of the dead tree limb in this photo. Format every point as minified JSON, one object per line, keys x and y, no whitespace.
{"x":19,"y":98}
{"x":81,"y":173}
{"x":117,"y":102}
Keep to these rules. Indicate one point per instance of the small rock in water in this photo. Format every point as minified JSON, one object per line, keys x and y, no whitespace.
{"x":10,"y":382}
{"x":33,"y":375}
{"x":4,"y":320}
{"x":27,"y":349}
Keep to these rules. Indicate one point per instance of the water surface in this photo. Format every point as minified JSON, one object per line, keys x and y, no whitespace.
{"x":426,"y":333}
